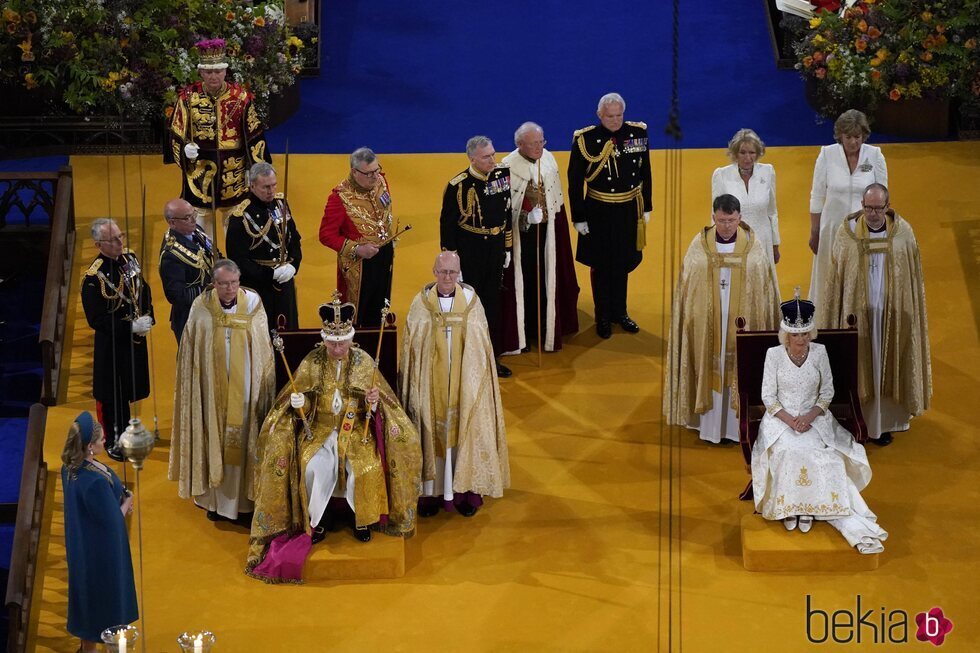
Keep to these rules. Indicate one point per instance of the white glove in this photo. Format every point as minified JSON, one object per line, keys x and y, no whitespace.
{"x":284,"y":273}
{"x":581,"y":227}
{"x":297,"y":400}
{"x":142,"y":325}
{"x":536,"y":216}
{"x":191,"y":150}
{"x":646,"y":217}
{"x":506,"y":259}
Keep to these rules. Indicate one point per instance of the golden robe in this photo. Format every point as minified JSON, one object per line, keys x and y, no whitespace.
{"x":692,"y":367}
{"x":906,"y":370}
{"x":482,"y":464}
{"x":282,"y":500}
{"x":200,"y":435}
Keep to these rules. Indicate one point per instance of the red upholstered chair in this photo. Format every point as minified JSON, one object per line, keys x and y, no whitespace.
{"x":750,"y":356}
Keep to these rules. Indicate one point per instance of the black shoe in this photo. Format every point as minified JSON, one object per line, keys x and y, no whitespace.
{"x":319,"y":533}
{"x":115,"y":453}
{"x":466,"y":510}
{"x":629,"y":326}
{"x":214,"y":516}
{"x":503,"y":371}
{"x":244,"y":519}
{"x":884,"y":440}
{"x":604,"y":329}
{"x":362,"y":534}
{"x":429,"y":509}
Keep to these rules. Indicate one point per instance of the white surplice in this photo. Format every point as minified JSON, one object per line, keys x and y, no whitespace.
{"x":835,"y":194}
{"x":819,"y":472}
{"x":230,"y":497}
{"x":758,"y":202}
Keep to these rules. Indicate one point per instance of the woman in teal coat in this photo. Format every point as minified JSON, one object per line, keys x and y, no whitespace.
{"x":101,"y":591}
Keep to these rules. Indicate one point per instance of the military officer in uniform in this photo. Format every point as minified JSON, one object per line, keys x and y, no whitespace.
{"x":215,"y":134}
{"x":262,"y":239}
{"x":358,"y":224}
{"x":119,"y":308}
{"x":186,"y":258}
{"x":476,"y":223}
{"x":609,"y":192}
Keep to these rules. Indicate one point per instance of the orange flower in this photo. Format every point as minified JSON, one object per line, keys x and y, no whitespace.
{"x":926,"y":16}
{"x":940,"y":28}
{"x":926,"y":56}
{"x":807,"y":61}
{"x":29,"y":81}
{"x":895,"y":95}
{"x":860,"y":45}
{"x":874,"y":32}
{"x":820,"y":73}
{"x":230,"y":16}
{"x":30,"y":17}
{"x":260,"y":21}
{"x":970,"y":44}
{"x":863,"y":26}
{"x":818,"y":56}
{"x":876,"y":75}
{"x":928,"y":42}
{"x":169,"y":111}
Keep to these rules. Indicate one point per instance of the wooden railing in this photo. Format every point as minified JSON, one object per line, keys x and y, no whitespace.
{"x":57,"y":284}
{"x":27,"y":532}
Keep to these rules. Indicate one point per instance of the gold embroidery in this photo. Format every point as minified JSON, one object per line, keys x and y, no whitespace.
{"x":203,"y":174}
{"x":233,"y":178}
{"x":804,"y":479}
{"x":252,"y":118}
{"x":834,"y":497}
{"x":258,"y":151}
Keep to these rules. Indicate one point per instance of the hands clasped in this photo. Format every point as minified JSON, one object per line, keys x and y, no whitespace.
{"x":142,"y":325}
{"x":283,"y":273}
{"x":297,"y":400}
{"x":801,"y":423}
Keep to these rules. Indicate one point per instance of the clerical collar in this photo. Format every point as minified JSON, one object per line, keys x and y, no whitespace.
{"x":883,"y":226}
{"x":725,"y":241}
{"x":449,"y":296}
{"x":225,"y":306}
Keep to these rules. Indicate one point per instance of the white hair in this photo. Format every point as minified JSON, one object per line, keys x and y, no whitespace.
{"x":97,"y":225}
{"x":260,"y":169}
{"x":611,"y":98}
{"x":475,"y":143}
{"x":525,"y":129}
{"x":362,"y":155}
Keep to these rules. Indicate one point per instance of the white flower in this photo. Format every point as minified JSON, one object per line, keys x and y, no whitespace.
{"x":273,"y":12}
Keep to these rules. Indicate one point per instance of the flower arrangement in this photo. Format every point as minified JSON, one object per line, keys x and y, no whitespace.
{"x":129,"y":58}
{"x":887,"y":50}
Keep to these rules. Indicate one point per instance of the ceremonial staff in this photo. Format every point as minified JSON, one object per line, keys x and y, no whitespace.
{"x":377,"y":359}
{"x":278,"y":345}
{"x":537,"y":255}
{"x":384,"y":242}
{"x":149,"y":336}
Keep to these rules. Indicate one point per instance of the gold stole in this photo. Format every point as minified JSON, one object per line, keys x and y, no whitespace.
{"x":445,"y":387}
{"x":736,"y":262}
{"x":232,"y":373}
{"x":344,"y":434}
{"x":871,"y":245}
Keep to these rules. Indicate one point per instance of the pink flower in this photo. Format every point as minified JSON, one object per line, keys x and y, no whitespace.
{"x":933,"y":626}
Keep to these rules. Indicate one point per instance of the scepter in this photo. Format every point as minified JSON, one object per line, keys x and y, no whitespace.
{"x":278,"y":345}
{"x":377,"y":355}
{"x":384,"y":242}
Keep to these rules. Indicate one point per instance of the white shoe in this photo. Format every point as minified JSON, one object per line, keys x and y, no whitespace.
{"x":806,"y":523}
{"x":790,"y":523}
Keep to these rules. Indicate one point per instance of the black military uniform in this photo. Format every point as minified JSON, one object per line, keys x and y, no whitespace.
{"x":114,"y":294}
{"x":185,"y":269}
{"x":260,"y":238}
{"x":609,"y":187}
{"x":476,"y":223}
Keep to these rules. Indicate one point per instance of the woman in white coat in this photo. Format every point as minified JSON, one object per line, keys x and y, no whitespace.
{"x":754,"y":184}
{"x":841,"y":174}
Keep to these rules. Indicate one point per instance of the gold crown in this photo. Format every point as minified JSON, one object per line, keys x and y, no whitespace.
{"x":338,"y":319}
{"x":211,"y":54}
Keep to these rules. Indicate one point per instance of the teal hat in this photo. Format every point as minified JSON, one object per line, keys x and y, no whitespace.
{"x":86,"y":426}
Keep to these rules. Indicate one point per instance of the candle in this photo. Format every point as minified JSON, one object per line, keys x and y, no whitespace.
{"x":122,"y":642}
{"x":199,"y":644}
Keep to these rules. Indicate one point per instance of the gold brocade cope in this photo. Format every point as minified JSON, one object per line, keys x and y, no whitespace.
{"x":370,"y":212}
{"x":736,"y":263}
{"x":234,"y":400}
{"x":446,"y":366}
{"x":388,"y":487}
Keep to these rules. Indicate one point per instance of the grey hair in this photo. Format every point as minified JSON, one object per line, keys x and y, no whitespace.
{"x":226,"y":264}
{"x":611,"y":98}
{"x":97,"y":225}
{"x":876,"y":186}
{"x":525,"y":129}
{"x":362,"y":155}
{"x":745,"y":135}
{"x":475,"y":143}
{"x":260,"y":169}
{"x":783,"y":336}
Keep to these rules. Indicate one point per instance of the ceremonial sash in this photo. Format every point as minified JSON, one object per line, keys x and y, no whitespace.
{"x":231,"y":371}
{"x":447,"y":366}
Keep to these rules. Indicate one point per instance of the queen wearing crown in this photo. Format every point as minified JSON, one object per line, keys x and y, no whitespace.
{"x":805,"y":465}
{"x":318,"y":460}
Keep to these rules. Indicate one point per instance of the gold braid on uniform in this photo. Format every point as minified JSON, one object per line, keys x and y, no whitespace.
{"x":472,"y":199}
{"x":608,"y":149}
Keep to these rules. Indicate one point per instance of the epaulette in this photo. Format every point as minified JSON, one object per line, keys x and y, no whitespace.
{"x":579,"y":132}
{"x":638,"y":123}
{"x":458,"y":178}
{"x":239,"y":210}
{"x":94,"y":268}
{"x":280,"y":196}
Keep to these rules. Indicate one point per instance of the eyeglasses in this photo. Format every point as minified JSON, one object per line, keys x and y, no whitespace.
{"x":874,"y":209}
{"x":190,"y":217}
{"x":370,"y":174}
{"x":537,"y":143}
{"x":121,"y":238}
{"x":447,"y":273}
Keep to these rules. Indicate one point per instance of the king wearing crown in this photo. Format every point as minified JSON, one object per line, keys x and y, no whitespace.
{"x":319,"y":462}
{"x":215,"y":133}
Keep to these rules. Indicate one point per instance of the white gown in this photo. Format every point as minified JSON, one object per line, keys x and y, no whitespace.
{"x":820,"y":472}
{"x":835,"y":194}
{"x":758,"y":203}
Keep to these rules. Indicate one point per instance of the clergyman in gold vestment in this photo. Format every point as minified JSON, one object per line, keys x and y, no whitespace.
{"x":303,"y":466}
{"x":225,"y":385}
{"x":726,"y":273}
{"x":448,"y":382}
{"x":876,"y":275}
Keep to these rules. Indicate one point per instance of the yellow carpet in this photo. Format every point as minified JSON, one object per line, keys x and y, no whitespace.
{"x":582,"y":553}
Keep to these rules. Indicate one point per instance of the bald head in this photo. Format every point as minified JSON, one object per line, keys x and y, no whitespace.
{"x":180,"y":216}
{"x":446,"y":271}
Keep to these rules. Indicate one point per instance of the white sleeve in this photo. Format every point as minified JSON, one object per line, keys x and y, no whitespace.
{"x":818,"y":189}
{"x":826,"y":393}
{"x":770,"y":382}
{"x":881,"y":168}
{"x":773,"y":213}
